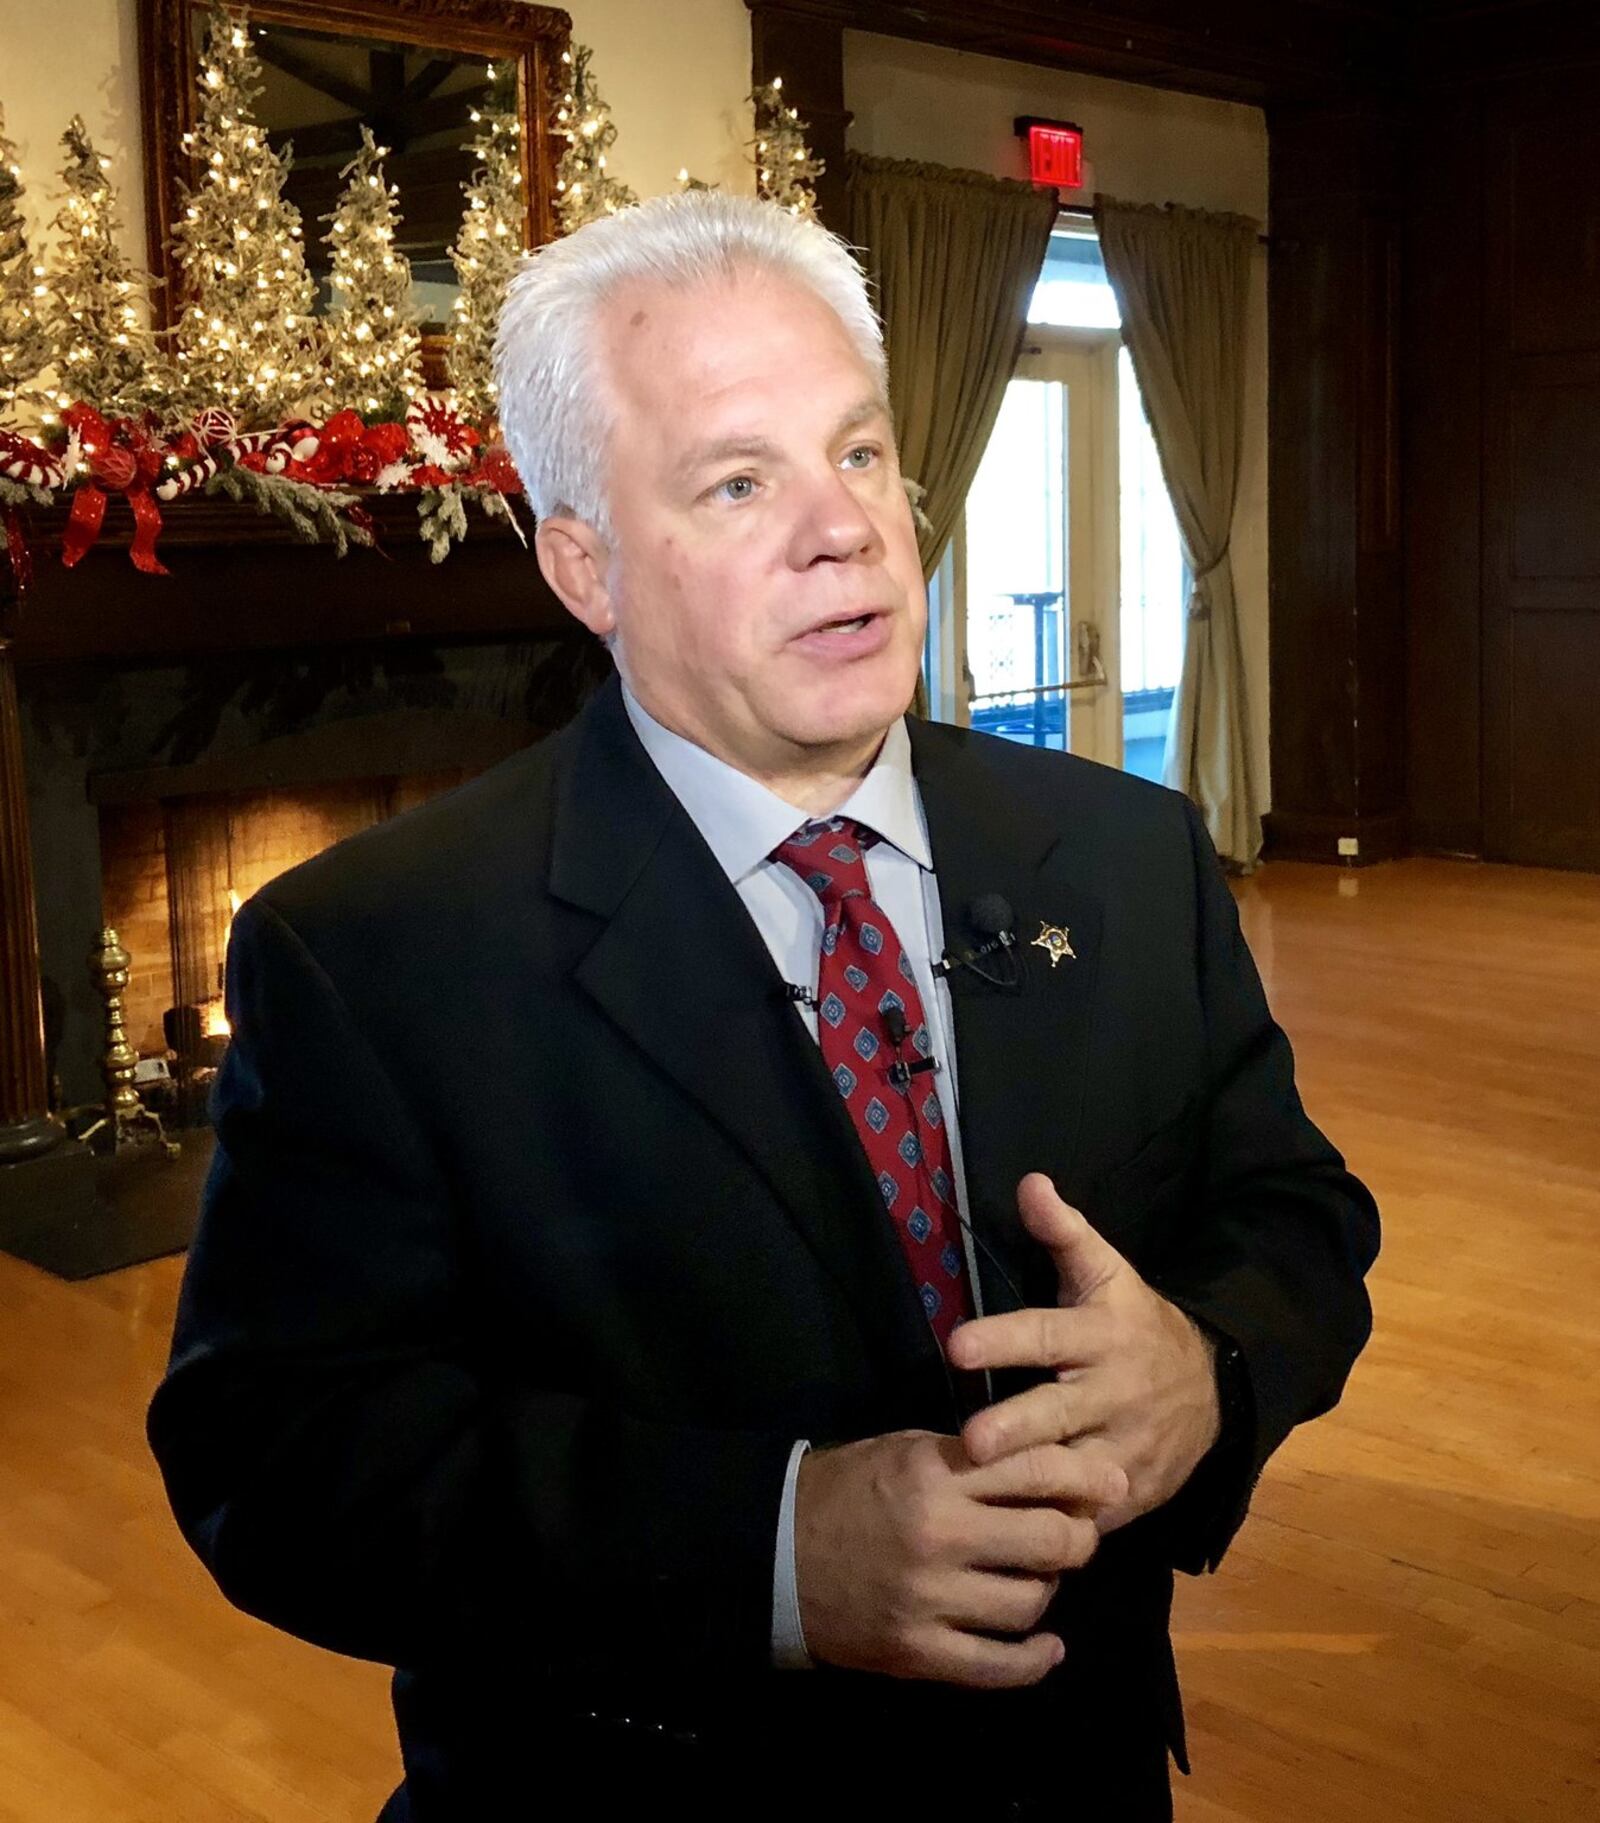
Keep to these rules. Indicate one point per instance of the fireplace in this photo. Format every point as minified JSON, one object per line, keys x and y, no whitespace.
{"x":169,"y":745}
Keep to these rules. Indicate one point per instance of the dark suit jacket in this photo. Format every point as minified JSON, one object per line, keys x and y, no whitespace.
{"x":537,"y":1233}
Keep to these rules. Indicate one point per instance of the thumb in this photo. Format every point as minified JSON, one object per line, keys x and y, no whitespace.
{"x":1084,"y":1260}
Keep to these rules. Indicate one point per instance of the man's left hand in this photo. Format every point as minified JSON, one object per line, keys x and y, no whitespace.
{"x":1130,"y":1370}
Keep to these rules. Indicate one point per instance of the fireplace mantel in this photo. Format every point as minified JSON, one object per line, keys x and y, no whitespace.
{"x":241,"y":580}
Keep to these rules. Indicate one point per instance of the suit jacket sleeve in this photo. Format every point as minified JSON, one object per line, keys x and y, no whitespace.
{"x":341,"y":1443}
{"x":1276,"y":1256}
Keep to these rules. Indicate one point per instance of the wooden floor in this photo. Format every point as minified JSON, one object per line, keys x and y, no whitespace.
{"x":1408,"y":1628}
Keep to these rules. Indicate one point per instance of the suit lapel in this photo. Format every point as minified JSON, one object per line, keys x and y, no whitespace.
{"x":1021,"y":1055}
{"x":680,"y":968}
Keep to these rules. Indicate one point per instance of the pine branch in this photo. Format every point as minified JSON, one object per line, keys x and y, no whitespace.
{"x":442,"y":514}
{"x":23,"y":493}
{"x":314,"y":514}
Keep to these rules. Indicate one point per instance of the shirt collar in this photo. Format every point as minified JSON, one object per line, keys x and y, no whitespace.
{"x":742,"y":821}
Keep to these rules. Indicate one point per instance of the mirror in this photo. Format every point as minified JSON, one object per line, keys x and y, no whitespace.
{"x":413,"y":71}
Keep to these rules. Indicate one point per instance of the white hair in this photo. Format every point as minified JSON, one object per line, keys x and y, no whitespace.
{"x":554,"y":408}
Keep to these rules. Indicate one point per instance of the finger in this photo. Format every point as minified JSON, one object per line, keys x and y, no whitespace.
{"x":1051,"y":1413}
{"x":992,"y":1664}
{"x":1040,"y":1336}
{"x":1041,"y":1541}
{"x":992,"y":1601}
{"x":1051,"y":1474}
{"x":1084,"y":1259}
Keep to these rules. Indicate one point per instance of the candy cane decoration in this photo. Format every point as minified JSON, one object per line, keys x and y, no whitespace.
{"x":24,"y":461}
{"x":186,"y":480}
{"x":286,"y":444}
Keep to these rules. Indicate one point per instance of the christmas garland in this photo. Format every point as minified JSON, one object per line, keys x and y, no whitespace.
{"x":301,"y":472}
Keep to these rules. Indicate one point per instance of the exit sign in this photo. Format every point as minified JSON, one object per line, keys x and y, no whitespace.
{"x":1055,"y":151}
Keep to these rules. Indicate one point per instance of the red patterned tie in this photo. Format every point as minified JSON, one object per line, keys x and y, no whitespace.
{"x":867,"y":995}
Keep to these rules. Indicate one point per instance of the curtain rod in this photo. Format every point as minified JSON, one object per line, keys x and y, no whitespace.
{"x":1079,"y":213}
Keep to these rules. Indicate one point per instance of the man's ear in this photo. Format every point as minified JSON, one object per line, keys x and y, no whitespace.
{"x":575,"y":560}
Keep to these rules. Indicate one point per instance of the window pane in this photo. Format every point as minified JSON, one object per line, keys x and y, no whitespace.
{"x":1017,"y":568}
{"x":1073,"y":291}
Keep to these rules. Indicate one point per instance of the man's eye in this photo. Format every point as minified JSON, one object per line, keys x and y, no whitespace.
{"x":867,"y":450}
{"x":736,"y":487}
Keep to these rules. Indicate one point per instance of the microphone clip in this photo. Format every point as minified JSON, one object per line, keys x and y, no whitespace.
{"x":971,"y":960}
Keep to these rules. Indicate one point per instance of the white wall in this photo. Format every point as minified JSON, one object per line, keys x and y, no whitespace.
{"x":675,"y":73}
{"x":1142,"y":145}
{"x":74,"y":57}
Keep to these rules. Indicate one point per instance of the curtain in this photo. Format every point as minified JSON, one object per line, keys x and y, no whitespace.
{"x":1182,"y":282}
{"x":953,"y":257}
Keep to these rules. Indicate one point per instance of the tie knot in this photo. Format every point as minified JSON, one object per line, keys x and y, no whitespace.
{"x":830,"y":857}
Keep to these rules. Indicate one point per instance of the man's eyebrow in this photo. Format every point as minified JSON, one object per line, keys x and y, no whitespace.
{"x":726,"y":449}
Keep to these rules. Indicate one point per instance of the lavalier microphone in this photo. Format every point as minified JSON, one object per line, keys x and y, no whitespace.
{"x":989,"y":917}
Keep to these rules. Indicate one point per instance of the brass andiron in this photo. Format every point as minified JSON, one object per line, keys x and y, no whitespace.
{"x":122,"y":1112}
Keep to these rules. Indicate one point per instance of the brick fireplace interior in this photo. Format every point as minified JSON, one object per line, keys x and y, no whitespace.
{"x":173,"y":871}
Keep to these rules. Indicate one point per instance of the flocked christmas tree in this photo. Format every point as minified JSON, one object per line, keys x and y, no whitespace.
{"x":374,"y":349}
{"x":247,"y":339}
{"x":489,"y":245}
{"x":103,"y":353}
{"x":24,"y":346}
{"x":585,"y":189}
{"x":785,"y":170}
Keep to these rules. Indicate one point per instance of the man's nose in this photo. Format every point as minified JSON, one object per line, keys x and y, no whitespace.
{"x":834,"y":525}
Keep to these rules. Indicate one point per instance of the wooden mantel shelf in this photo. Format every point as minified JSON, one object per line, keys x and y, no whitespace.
{"x":241,"y":580}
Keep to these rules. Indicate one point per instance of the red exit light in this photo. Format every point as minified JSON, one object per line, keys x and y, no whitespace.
{"x":1055,"y":152}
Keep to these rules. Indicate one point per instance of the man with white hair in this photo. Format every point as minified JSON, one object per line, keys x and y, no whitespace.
{"x":689,"y":1277}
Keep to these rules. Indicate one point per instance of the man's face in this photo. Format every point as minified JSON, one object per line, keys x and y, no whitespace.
{"x":763,"y":581}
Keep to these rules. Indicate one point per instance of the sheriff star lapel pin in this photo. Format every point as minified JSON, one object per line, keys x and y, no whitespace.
{"x":1053,"y":940}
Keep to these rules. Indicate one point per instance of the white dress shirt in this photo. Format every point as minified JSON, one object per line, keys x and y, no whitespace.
{"x":742,"y":822}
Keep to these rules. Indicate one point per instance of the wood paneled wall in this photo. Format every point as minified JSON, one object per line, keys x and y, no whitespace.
{"x":1502,"y":362}
{"x":1337,"y":646}
{"x":1442,"y":368}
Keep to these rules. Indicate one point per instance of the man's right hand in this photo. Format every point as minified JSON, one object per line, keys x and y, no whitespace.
{"x":908,"y":1558}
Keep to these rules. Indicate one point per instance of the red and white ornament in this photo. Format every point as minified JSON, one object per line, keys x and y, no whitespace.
{"x":214,"y":426}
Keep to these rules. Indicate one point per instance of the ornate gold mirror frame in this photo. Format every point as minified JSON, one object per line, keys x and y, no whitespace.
{"x":500,"y":31}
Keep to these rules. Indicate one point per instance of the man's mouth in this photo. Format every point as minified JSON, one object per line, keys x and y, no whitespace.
{"x":845,"y":623}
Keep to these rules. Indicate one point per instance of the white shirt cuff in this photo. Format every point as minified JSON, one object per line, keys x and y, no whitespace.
{"x":788,"y":1636}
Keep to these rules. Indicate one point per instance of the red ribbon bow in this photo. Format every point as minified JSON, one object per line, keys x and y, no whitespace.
{"x":122,"y":460}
